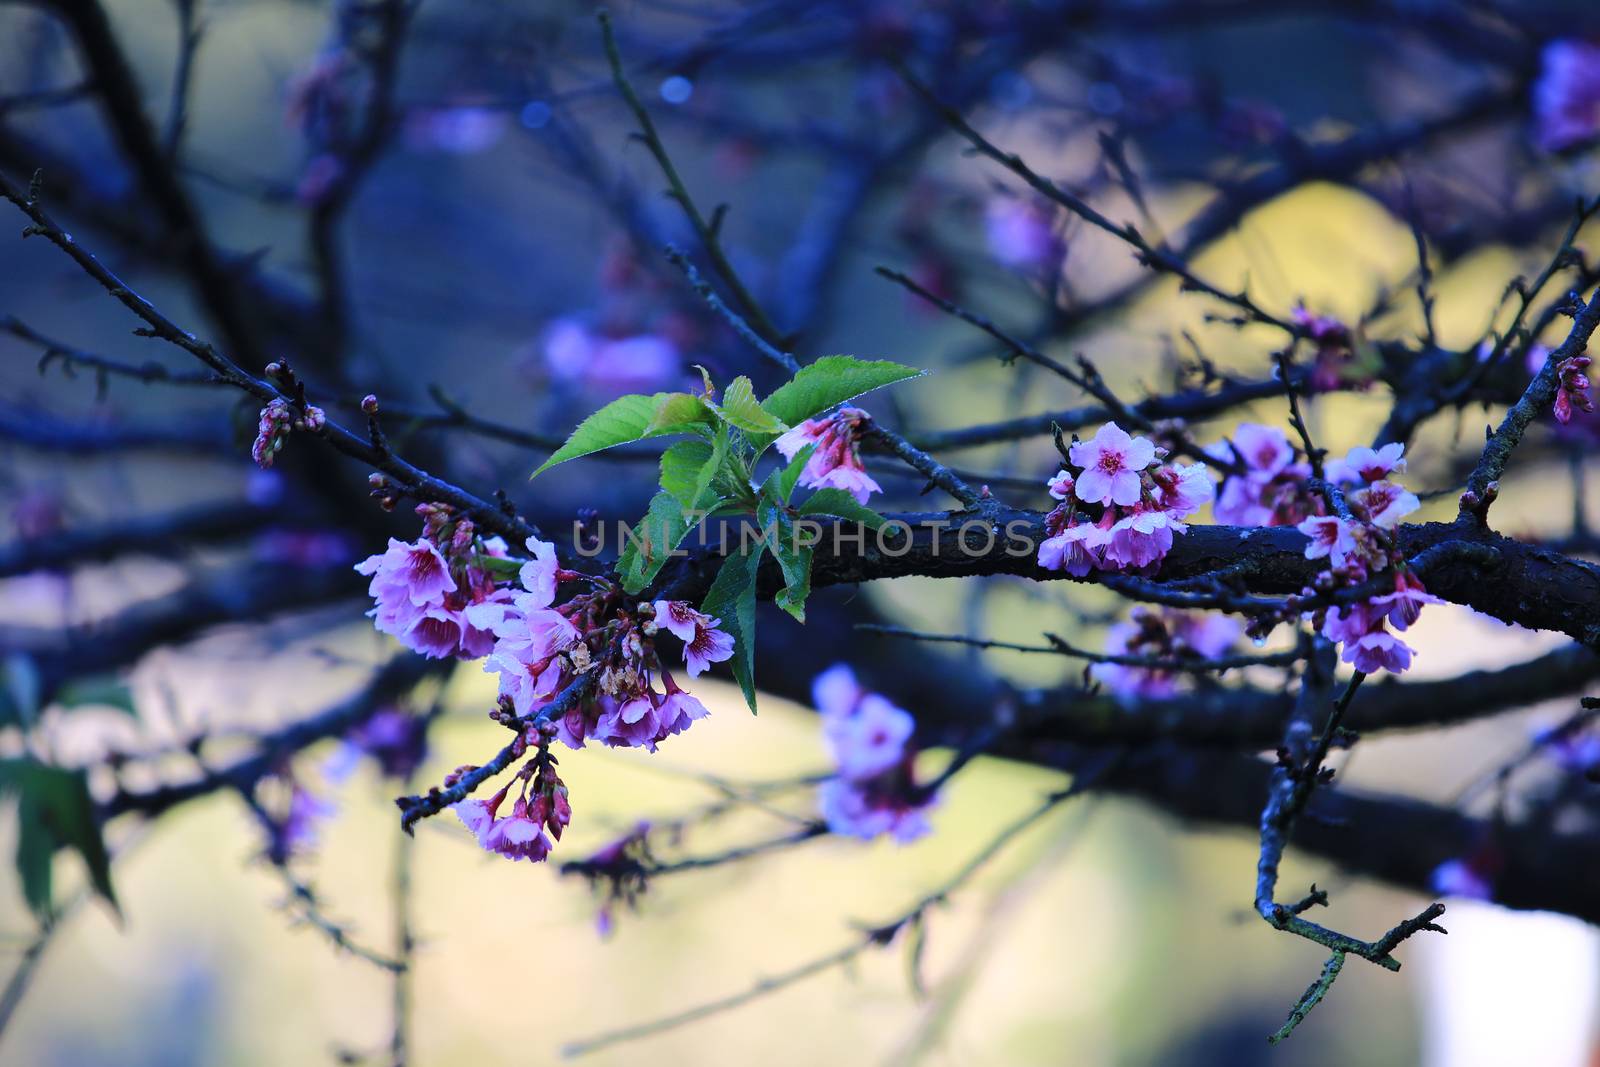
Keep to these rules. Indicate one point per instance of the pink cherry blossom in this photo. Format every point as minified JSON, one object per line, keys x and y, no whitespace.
{"x":1405,"y":604}
{"x":1142,"y":539}
{"x":1378,"y":650}
{"x":1349,"y":623}
{"x":1181,"y":489}
{"x":538,"y":575}
{"x":870,"y":740}
{"x":1264,"y":450}
{"x":1331,"y":538}
{"x":1111,"y":463}
{"x":479,"y":816}
{"x":573,"y":353}
{"x":1164,"y":633}
{"x":1060,"y":485}
{"x":710,"y":645}
{"x":1369,"y":465}
{"x":417,"y":569}
{"x":1566,"y":98}
{"x":1065,"y":552}
{"x":1383,"y":504}
{"x":852,"y":810}
{"x":835,"y":691}
{"x":835,"y":461}
{"x":518,"y":836}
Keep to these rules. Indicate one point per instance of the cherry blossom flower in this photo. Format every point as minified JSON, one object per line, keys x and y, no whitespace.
{"x":1264,"y":450}
{"x":703,"y":643}
{"x":1141,"y":539}
{"x":1060,"y":485}
{"x":1065,"y":552}
{"x":1566,"y":98}
{"x":852,"y":810}
{"x":1369,"y":465}
{"x":416,"y":570}
{"x":875,"y":791}
{"x":1181,"y":489}
{"x":1404,"y":605}
{"x":835,"y":461}
{"x":835,"y":691}
{"x":1572,"y":388}
{"x":1272,"y":489}
{"x":1378,"y":650}
{"x":1383,"y":504}
{"x":1111,"y":463}
{"x":1165,"y":633}
{"x":1332,"y":538}
{"x":575,"y":354}
{"x":871,"y":739}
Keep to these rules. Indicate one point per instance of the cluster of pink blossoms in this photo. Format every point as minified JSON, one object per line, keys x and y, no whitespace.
{"x":1566,"y":98}
{"x":1121,"y":504}
{"x":426,"y":590}
{"x":1361,"y":547}
{"x":539,"y":649}
{"x":440,"y":596}
{"x":875,"y":791}
{"x":835,"y":462}
{"x":1271,"y":490}
{"x":541,"y":804}
{"x":1165,"y":634}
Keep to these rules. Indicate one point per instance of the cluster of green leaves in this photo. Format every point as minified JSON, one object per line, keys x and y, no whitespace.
{"x":713,"y":472}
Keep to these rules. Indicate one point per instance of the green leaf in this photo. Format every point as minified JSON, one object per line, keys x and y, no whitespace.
{"x":793,"y":556}
{"x":681,"y":465}
{"x":104,"y":690}
{"x":781,"y":482}
{"x":732,"y":598}
{"x":677,"y":410}
{"x":55,"y":812}
{"x":740,"y":409}
{"x":689,"y":472}
{"x":832,"y":380}
{"x":842,"y":505}
{"x":629,"y":418}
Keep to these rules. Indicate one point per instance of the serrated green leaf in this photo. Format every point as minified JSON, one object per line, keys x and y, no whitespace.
{"x":55,"y":812}
{"x":832,"y":380}
{"x":627,"y":418}
{"x":739,"y":408}
{"x":681,"y":465}
{"x":838,"y":503}
{"x":732,"y":598}
{"x":793,"y":556}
